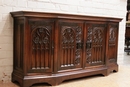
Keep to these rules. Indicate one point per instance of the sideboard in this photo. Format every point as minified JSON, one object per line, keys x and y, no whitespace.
{"x":53,"y":47}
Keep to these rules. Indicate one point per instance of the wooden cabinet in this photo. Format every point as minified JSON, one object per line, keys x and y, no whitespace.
{"x":53,"y":47}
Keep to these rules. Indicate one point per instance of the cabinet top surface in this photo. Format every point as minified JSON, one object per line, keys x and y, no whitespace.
{"x":62,"y":16}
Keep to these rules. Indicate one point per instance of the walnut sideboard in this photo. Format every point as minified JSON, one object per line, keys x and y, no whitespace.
{"x":53,"y":47}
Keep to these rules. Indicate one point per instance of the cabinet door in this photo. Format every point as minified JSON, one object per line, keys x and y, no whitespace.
{"x":70,"y":44}
{"x":112,"y":42}
{"x":95,"y":44}
{"x":41,"y":45}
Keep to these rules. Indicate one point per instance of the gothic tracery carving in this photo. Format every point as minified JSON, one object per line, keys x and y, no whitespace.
{"x":41,"y":36}
{"x":41,"y":44}
{"x":112,"y":34}
{"x":70,"y":36}
{"x":97,"y":35}
{"x":94,"y":43}
{"x":112,"y":41}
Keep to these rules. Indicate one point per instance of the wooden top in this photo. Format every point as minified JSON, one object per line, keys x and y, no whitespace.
{"x":62,"y":16}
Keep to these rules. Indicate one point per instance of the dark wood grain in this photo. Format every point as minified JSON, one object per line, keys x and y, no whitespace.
{"x":53,"y":47}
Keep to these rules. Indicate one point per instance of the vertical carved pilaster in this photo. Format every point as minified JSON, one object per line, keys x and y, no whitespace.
{"x":79,"y":33}
{"x":89,"y":42}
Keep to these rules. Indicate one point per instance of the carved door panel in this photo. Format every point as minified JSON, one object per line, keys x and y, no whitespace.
{"x":95,"y":44}
{"x":41,"y":45}
{"x":71,"y":41}
{"x":112,"y":42}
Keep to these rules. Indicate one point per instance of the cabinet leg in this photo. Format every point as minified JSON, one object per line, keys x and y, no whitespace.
{"x":57,"y":82}
{"x":111,"y":70}
{"x":106,"y":73}
{"x":26,"y":85}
